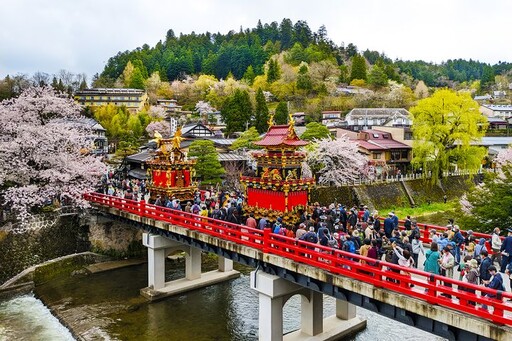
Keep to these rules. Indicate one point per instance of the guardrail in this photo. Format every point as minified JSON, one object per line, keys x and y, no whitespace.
{"x":424,"y":286}
{"x":426,"y":228}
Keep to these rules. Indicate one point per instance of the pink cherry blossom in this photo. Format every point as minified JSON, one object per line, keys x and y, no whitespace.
{"x":43,"y":152}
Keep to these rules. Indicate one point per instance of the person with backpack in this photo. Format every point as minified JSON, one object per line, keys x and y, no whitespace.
{"x":278,"y":227}
{"x":310,"y":236}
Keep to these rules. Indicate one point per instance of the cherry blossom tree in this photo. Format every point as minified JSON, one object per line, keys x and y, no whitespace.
{"x":163,"y":127}
{"x":44,"y":152}
{"x":337,"y":161}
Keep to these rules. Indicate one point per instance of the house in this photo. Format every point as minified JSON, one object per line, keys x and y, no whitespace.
{"x":499,"y":94}
{"x":135,"y":164}
{"x":367,"y":118}
{"x":496,"y":123}
{"x":299,"y":118}
{"x":497,"y":110}
{"x":98,"y":137}
{"x":331,"y":118}
{"x":483,"y":98}
{"x":384,"y":153}
{"x":133,"y":99}
{"x":170,"y":105}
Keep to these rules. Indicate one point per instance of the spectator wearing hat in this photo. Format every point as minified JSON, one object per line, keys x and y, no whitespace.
{"x":506,"y":251}
{"x":471,"y":276}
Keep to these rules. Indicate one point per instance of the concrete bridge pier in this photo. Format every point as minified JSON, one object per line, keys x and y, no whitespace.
{"x":273,"y":294}
{"x":159,"y":248}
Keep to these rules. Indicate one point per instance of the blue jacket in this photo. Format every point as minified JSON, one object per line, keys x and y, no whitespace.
{"x":388,"y":226}
{"x":496,"y":282}
{"x":507,"y":245}
{"x":484,"y":266}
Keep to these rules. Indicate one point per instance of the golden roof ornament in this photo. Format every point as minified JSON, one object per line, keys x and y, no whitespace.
{"x":270,"y":121}
{"x":291,"y":127}
{"x":176,"y":140}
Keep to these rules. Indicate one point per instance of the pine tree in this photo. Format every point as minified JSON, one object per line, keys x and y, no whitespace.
{"x":273,"y":72}
{"x":237,"y":111}
{"x":137,"y":81}
{"x":377,"y":77}
{"x":303,"y":78}
{"x":208,"y":167}
{"x":281,"y":116}
{"x":249,"y":75}
{"x":358,"y":70}
{"x":261,"y":112}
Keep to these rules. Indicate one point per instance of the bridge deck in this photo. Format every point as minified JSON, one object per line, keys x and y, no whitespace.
{"x":340,"y":268}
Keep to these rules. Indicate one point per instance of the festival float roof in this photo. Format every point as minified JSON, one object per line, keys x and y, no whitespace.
{"x":281,"y":135}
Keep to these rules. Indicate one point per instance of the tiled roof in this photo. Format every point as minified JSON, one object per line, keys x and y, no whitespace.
{"x":232,"y":157}
{"x":377,"y":112}
{"x":139,"y":157}
{"x":277,"y":135}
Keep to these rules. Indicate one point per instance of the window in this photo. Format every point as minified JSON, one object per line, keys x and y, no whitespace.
{"x":405,"y":154}
{"x":395,"y":155}
{"x":376,"y":156}
{"x":376,"y":136}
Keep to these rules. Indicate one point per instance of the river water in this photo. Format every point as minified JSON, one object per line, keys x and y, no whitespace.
{"x":107,"y":306}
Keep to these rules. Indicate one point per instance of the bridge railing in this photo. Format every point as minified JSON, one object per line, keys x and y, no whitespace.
{"x":434,"y":289}
{"x":427,"y":238}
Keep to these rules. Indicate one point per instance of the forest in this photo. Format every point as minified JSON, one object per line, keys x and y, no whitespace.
{"x":243,"y":54}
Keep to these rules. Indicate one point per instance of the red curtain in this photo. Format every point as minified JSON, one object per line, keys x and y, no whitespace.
{"x":265,"y":199}
{"x":297,"y":198}
{"x":187,"y":177}
{"x":173,"y":178}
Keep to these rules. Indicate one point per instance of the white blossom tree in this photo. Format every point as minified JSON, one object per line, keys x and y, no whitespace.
{"x":44,"y":152}
{"x":163,"y":127}
{"x":337,"y":161}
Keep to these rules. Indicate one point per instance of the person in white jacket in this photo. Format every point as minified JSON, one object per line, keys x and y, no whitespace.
{"x":496,"y":246}
{"x":417,"y":248}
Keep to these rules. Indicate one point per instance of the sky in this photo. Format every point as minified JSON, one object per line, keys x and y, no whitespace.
{"x":81,"y":35}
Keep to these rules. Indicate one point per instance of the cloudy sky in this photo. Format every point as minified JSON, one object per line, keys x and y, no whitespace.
{"x":80,"y":35}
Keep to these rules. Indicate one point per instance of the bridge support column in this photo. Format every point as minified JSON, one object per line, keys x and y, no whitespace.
{"x":225,"y":265}
{"x":273,"y":294}
{"x":159,"y":248}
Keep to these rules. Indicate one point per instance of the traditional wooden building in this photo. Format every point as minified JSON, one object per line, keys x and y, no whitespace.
{"x":278,"y":187}
{"x":170,"y":171}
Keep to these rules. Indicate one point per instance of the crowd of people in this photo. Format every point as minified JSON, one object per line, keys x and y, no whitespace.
{"x":357,"y":230}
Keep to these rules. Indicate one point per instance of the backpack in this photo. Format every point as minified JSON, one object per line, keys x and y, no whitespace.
{"x":349,"y":246}
{"x":277,"y":228}
{"x":282,"y":231}
{"x":311,"y":238}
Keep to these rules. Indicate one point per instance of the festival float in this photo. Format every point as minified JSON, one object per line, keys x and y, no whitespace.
{"x":170,"y":172}
{"x":278,"y":189}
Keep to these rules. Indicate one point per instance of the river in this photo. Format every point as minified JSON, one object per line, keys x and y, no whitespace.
{"x":107,"y":306}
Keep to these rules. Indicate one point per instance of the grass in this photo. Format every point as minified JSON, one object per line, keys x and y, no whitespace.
{"x":432,"y":211}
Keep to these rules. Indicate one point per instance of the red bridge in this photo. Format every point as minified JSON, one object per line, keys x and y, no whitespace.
{"x":421,"y":293}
